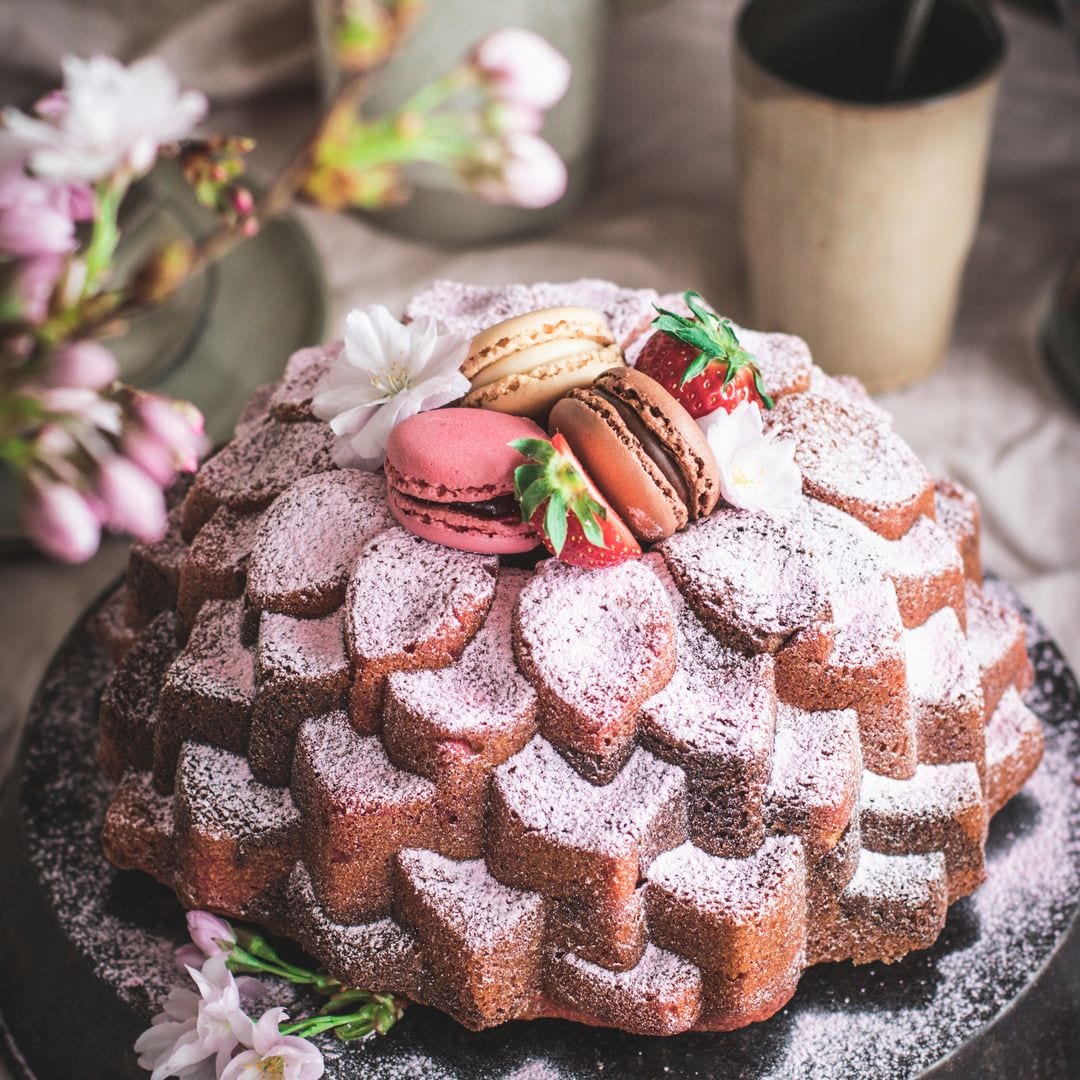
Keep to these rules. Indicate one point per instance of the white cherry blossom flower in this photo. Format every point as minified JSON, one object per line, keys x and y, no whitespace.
{"x":222,"y":1024}
{"x":757,"y":472}
{"x":171,"y":1046}
{"x":274,"y":1056}
{"x":387,"y":372}
{"x":108,"y":119}
{"x":196,"y":1034}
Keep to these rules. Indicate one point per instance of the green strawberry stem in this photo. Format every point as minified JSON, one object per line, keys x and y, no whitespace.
{"x":714,"y":339}
{"x":552,"y":478}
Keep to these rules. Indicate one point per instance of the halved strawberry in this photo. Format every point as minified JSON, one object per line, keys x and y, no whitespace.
{"x":700,"y":361}
{"x":566,"y":508}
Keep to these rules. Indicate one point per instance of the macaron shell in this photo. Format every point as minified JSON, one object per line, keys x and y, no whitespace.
{"x":522,"y":331}
{"x":533,"y":393}
{"x":674,"y":428}
{"x":456,"y":529}
{"x":457,"y":455}
{"x":545,"y":354}
{"x":619,"y":467}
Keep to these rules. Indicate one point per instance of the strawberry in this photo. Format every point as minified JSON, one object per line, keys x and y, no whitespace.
{"x":566,"y":508}
{"x":700,"y":362}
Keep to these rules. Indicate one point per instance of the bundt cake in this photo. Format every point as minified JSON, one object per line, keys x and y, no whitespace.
{"x":646,"y":796}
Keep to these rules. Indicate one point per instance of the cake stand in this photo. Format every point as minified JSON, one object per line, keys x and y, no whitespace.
{"x":86,"y":950}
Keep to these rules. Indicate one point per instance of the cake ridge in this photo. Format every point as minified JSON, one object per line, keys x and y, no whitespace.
{"x":856,"y":735}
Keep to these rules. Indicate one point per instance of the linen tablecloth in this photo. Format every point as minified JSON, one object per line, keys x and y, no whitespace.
{"x":662,"y":213}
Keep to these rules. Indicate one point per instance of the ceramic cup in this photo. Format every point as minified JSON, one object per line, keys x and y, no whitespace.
{"x":859,"y":204}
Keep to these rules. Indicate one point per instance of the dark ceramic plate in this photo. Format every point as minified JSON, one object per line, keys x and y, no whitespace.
{"x":86,"y":950}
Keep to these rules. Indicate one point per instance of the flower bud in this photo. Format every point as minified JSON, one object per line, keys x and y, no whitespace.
{"x":531,"y":174}
{"x":83,"y":364}
{"x":134,"y":502}
{"x":522,"y":68}
{"x":209,"y":933}
{"x":61,"y":522}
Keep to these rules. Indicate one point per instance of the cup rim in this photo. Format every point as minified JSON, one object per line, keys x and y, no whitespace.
{"x":985,"y":75}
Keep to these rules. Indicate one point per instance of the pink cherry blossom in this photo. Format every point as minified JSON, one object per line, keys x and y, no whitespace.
{"x":82,"y":363}
{"x":522,"y":68}
{"x":530,"y":174}
{"x":176,"y":425}
{"x":188,"y":956}
{"x":60,"y":521}
{"x":209,"y":933}
{"x":274,"y":1056}
{"x":37,"y":216}
{"x":109,"y":119}
{"x":34,"y":283}
{"x":134,"y":501}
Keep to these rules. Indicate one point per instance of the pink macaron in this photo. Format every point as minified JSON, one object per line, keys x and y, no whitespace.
{"x":450,"y":479}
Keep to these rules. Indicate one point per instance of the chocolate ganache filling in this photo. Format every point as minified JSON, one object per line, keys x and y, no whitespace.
{"x":661,"y":456}
{"x":497,"y":509}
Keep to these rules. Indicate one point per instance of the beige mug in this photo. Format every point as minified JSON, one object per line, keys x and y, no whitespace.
{"x":858,"y":202}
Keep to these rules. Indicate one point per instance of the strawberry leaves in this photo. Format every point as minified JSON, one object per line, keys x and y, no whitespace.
{"x":567,"y":509}
{"x":552,"y":478}
{"x":714,"y":340}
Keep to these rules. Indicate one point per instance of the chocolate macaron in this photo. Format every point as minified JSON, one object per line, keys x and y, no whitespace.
{"x":450,"y":479}
{"x":643,"y":450}
{"x":525,"y":364}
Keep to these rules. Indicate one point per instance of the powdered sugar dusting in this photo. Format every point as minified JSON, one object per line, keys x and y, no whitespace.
{"x":306,"y":546}
{"x":604,"y":675}
{"x":850,"y":457}
{"x":737,"y":888}
{"x":752,"y":579}
{"x":484,"y":691}
{"x":468,"y":309}
{"x":224,"y":800}
{"x":406,"y":592}
{"x":549,"y":796}
{"x":467,"y":898}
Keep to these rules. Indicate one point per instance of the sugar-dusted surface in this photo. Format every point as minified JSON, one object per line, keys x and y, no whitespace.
{"x":736,"y":888}
{"x":754,"y":581}
{"x":256,"y":467}
{"x":291,"y":398}
{"x":468,"y":309}
{"x":551,"y":799}
{"x":850,"y":456}
{"x":223,"y":798}
{"x":406,"y":592}
{"x":467,"y":898}
{"x":596,"y":644}
{"x":882,"y":1021}
{"x":482,"y":700}
{"x":309,"y":540}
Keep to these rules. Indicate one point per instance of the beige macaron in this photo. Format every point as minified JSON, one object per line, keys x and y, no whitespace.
{"x":525,"y":364}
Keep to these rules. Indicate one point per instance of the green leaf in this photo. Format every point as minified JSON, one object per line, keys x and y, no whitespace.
{"x":533,"y":497}
{"x":555,"y":521}
{"x":585,"y":511}
{"x":524,"y":477}
{"x":539,"y":450}
{"x":695,"y":368}
{"x":696,"y":303}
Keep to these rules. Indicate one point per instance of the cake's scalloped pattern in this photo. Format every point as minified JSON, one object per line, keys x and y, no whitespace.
{"x":647,"y":796}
